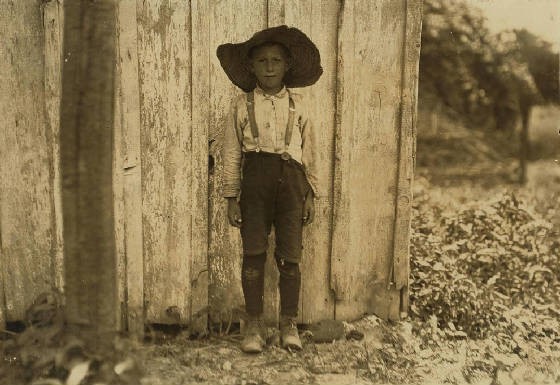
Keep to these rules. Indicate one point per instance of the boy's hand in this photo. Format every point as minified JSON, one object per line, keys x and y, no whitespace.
{"x":234,"y":212}
{"x":308,"y":209}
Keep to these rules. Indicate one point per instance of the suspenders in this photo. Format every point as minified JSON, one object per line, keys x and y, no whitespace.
{"x":255,"y":130}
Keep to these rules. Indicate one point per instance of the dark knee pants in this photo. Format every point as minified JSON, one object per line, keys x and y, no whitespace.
{"x":252,"y":281}
{"x":272,"y":192}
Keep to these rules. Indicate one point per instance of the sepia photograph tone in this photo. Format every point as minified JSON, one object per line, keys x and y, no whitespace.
{"x":269,"y":192}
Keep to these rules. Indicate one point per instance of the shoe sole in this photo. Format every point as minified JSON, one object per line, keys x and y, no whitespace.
{"x":292,"y":346}
{"x":252,"y":351}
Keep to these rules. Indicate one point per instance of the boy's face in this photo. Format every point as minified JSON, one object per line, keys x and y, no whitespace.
{"x":269,"y":64}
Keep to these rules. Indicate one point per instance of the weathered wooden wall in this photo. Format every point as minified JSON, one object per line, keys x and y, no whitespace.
{"x":177,"y":253}
{"x":370,"y":190}
{"x":30,"y":214}
{"x":173,"y":160}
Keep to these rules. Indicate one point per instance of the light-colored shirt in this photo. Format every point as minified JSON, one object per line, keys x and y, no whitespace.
{"x":271,"y":115}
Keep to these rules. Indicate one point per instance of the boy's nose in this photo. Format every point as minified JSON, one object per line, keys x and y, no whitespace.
{"x":269,"y":66}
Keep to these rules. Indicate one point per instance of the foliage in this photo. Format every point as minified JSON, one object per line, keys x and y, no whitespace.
{"x":542,"y":62}
{"x":485,"y":78}
{"x":472,"y":267}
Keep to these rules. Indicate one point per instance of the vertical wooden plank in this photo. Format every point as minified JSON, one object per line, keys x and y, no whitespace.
{"x":319,"y":21}
{"x":407,"y":137}
{"x":86,"y":143}
{"x":368,"y":118}
{"x":2,"y":279}
{"x":200,"y":107}
{"x":118,"y":193}
{"x":26,"y":205}
{"x":128,"y":168}
{"x":53,"y":25}
{"x":2,"y":294}
{"x":231,"y":21}
{"x":165,"y":103}
{"x":344,"y":122}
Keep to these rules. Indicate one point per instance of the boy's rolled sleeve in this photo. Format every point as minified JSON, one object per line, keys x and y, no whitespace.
{"x":310,"y":156}
{"x":231,"y":176}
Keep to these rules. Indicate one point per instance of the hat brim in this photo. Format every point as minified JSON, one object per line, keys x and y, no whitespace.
{"x":305,"y":67}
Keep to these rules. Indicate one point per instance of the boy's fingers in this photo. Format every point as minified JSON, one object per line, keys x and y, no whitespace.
{"x":235,"y":221}
{"x":307,"y":216}
{"x":310,"y":215}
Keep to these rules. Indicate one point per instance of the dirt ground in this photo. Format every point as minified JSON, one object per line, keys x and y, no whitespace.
{"x":388,"y":354}
{"x":408,"y":351}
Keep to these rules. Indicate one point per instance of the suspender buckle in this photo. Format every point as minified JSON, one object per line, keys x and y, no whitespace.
{"x":285,"y":156}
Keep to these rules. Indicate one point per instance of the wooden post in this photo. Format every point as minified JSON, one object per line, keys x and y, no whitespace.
{"x":86,"y":143}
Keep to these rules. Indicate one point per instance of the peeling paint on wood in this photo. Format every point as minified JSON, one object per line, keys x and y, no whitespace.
{"x":366,"y":154}
{"x":128,"y":171}
{"x":165,"y":97}
{"x":26,"y":205}
{"x":200,"y":106}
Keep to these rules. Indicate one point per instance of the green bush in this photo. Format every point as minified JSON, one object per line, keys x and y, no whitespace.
{"x":471,"y":266}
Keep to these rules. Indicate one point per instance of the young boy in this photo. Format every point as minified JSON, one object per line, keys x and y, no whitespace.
{"x":270,"y":166}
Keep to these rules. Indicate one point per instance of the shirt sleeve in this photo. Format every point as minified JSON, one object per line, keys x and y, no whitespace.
{"x":231,"y":156}
{"x":310,"y":153}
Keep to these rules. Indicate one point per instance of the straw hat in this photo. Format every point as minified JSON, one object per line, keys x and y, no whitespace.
{"x":306,"y":61}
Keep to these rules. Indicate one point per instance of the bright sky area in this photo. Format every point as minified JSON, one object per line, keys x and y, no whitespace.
{"x":541,"y":17}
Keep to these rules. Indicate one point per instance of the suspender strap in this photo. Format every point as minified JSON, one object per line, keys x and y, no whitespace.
{"x":290,"y":126}
{"x":253,"y":120}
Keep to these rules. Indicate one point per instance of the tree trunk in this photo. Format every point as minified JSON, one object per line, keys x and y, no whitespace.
{"x":524,"y":144}
{"x":86,"y":137}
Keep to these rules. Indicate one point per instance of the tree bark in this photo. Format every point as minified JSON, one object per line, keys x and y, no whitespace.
{"x":86,"y":137}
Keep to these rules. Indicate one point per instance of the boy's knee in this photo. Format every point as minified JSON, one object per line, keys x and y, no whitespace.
{"x":251,"y":274}
{"x":289,"y":270}
{"x":253,"y":267}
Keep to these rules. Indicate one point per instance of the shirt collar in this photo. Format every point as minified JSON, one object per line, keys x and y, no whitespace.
{"x":279,"y":95}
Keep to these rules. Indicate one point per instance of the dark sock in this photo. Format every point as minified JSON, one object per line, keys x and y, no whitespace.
{"x":290,"y":283}
{"x":252,"y":281}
